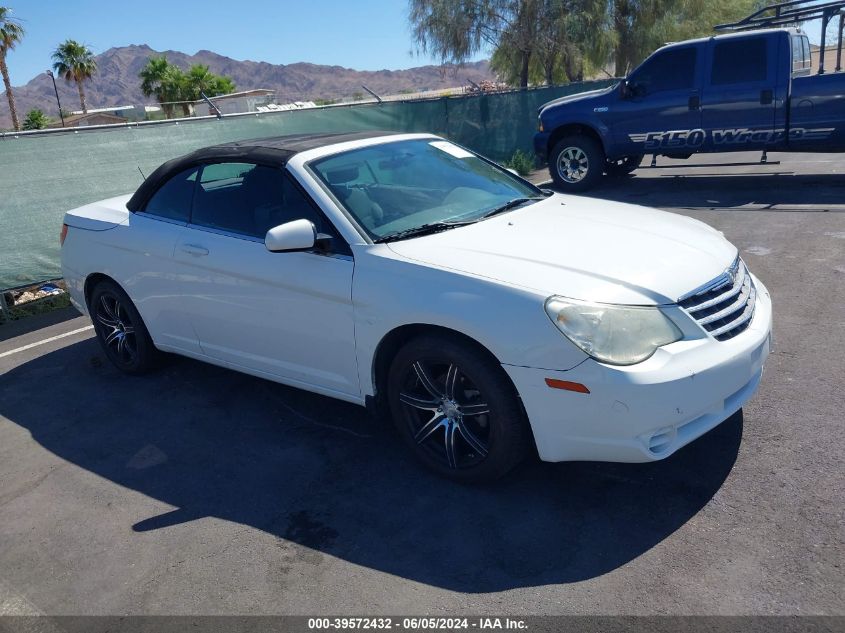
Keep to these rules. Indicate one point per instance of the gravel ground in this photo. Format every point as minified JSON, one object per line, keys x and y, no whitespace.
{"x":197,"y":490}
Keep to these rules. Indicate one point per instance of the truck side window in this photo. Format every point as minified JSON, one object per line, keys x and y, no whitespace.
{"x":808,"y":60}
{"x":673,"y":69}
{"x":740,"y":61}
{"x":797,"y":53}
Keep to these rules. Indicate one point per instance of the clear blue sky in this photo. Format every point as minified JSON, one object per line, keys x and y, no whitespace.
{"x":360,"y":34}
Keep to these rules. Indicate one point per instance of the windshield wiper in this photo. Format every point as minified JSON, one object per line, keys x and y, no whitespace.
{"x":512,"y":204}
{"x":437,"y":227}
{"x":418,"y":231}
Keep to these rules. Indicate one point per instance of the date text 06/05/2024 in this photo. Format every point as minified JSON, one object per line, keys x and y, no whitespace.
{"x":417,"y":623}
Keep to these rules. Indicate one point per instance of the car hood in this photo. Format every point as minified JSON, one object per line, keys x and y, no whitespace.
{"x":99,"y":216}
{"x":583,"y":248}
{"x":581,"y":96}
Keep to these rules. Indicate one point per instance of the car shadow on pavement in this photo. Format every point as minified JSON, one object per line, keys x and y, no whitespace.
{"x":709,"y":190}
{"x":19,"y":327}
{"x":319,"y":473}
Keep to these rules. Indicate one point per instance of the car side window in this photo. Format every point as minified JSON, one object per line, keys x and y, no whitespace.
{"x":300,"y":205}
{"x":221,"y":202}
{"x":249,"y":199}
{"x":673,"y":69}
{"x":173,"y":199}
{"x":740,"y":61}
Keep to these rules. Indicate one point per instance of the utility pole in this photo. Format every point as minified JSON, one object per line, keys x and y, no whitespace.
{"x":56,"y":90}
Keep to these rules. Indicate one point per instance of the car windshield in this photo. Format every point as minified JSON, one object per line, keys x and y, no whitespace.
{"x":394,"y":188}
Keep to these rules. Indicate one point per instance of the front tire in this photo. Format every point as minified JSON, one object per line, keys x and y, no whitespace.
{"x":457,"y":410}
{"x":120,"y":330}
{"x":576,"y":163}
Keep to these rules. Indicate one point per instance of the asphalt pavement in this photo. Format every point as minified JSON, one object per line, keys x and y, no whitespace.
{"x":197,"y":490}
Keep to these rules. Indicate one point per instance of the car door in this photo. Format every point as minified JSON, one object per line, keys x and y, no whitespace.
{"x":154,"y":280}
{"x":659,"y":110}
{"x":284,"y":315}
{"x":739,"y":103}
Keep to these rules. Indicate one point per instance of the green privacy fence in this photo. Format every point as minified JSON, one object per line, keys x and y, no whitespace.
{"x":43,"y":175}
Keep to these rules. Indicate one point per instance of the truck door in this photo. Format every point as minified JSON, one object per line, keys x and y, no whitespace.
{"x":659,"y":112}
{"x":741,"y":94}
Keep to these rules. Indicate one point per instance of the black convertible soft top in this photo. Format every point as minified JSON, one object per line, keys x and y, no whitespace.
{"x":276,"y":151}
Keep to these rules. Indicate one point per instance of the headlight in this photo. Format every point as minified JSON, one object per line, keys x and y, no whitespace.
{"x":617,"y":335}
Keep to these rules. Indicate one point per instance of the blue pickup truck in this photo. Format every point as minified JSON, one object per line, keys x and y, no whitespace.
{"x":749,"y":90}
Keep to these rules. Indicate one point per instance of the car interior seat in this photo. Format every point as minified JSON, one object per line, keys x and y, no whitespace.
{"x":368,"y":211}
{"x":468,"y":195}
{"x":264,"y":200}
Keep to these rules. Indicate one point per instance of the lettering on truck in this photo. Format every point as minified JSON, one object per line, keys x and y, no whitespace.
{"x":693,"y":139}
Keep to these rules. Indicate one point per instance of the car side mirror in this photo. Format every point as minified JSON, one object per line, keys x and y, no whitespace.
{"x":298,"y":235}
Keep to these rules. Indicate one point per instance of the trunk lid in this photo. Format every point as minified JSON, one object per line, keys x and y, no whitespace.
{"x":99,"y":216}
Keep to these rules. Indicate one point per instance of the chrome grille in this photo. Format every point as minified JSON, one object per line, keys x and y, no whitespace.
{"x":724,"y":307}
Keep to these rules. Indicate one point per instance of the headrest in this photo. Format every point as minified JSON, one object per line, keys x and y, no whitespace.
{"x":342,"y":175}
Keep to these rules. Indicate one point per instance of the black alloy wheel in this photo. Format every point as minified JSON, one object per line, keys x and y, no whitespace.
{"x":120,"y":329}
{"x":457,"y":410}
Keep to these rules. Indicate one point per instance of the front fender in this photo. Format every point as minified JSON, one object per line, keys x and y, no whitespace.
{"x":389,"y":292}
{"x":560,"y":126}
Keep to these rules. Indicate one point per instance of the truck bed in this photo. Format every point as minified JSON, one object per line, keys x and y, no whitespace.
{"x":817,"y":111}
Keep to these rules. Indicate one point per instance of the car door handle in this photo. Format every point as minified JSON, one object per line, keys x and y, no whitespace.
{"x":695,"y":102}
{"x":193,"y":249}
{"x":766,"y":97}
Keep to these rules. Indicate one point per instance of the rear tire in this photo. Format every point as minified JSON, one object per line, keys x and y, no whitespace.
{"x":121,"y":331}
{"x":577,"y":163}
{"x":457,"y":410}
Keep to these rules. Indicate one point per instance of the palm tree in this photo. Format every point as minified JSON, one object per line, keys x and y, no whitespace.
{"x":223,"y":86}
{"x":75,"y":62}
{"x":170,"y":85}
{"x":11,"y":32}
{"x":161,"y":79}
{"x":199,"y":81}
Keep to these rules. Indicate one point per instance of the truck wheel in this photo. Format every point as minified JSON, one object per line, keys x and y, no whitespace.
{"x":576,"y":163}
{"x":622,"y":166}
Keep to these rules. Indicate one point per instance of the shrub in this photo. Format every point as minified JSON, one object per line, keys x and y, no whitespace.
{"x":520,"y":161}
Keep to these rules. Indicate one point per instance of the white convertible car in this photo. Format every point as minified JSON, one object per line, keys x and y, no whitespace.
{"x":404,"y":273}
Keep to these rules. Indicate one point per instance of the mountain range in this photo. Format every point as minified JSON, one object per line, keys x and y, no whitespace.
{"x":116,"y":82}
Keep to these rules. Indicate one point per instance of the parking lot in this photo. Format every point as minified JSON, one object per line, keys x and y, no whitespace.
{"x":197,"y":490}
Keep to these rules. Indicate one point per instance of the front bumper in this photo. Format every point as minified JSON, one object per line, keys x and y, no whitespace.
{"x":541,"y":145}
{"x":648,"y":411}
